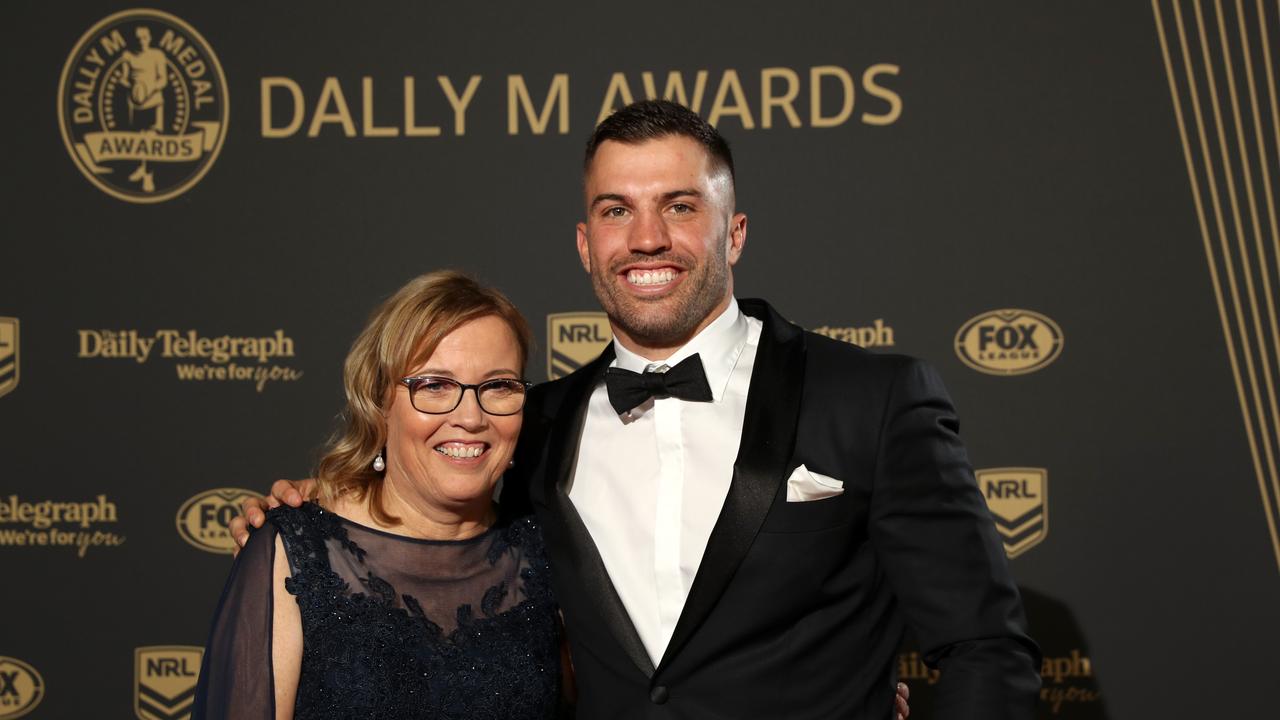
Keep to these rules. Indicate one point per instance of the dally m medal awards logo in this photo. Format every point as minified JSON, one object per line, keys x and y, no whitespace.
{"x":8,"y":356}
{"x":165,"y":681}
{"x":1009,"y":342}
{"x":204,"y":519}
{"x":575,"y":339}
{"x":21,"y":688}
{"x":142,"y":105}
{"x":1019,"y":504}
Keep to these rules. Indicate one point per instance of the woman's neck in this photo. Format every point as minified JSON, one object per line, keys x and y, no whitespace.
{"x":418,"y":517}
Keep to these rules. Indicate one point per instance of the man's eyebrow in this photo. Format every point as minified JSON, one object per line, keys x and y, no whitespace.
{"x":666,"y":196}
{"x":608,"y":197}
{"x":680,"y":193}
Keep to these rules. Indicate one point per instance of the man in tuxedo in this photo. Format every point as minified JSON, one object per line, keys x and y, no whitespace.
{"x":743,"y":517}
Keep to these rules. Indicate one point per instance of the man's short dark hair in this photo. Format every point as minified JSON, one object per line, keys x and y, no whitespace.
{"x":653,"y":119}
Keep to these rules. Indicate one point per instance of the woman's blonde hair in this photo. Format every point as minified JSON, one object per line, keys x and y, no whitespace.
{"x":400,"y":335}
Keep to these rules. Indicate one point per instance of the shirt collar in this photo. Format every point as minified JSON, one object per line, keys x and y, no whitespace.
{"x":719,"y":345}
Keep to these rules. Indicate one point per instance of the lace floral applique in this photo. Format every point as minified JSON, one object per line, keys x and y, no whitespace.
{"x":375,"y":652}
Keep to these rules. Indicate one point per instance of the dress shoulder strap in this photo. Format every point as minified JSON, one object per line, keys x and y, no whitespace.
{"x":305,"y":531}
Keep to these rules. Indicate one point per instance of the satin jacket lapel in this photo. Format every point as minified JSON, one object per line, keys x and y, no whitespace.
{"x":585,"y":557}
{"x":768,"y":439}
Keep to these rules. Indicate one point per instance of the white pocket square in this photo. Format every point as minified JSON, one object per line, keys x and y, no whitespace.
{"x":805,"y":485}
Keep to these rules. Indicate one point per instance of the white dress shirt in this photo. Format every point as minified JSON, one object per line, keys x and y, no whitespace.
{"x":649,"y":484}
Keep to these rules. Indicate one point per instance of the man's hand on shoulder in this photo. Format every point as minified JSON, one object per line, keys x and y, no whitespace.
{"x":253,"y":512}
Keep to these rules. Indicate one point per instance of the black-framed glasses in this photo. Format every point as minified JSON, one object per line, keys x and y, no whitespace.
{"x":439,"y":395}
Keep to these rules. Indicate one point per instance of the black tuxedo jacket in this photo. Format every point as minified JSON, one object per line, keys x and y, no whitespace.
{"x":798,"y":609}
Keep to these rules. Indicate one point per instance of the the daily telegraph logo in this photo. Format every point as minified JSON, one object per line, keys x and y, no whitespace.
{"x":877,"y":334}
{"x":204,"y":520}
{"x":575,"y":339}
{"x":21,"y":688}
{"x":1018,"y":498}
{"x":142,"y":105}
{"x":9,"y":358}
{"x":1068,"y":683}
{"x":165,"y":681}
{"x":51,"y":523}
{"x":1009,"y":342}
{"x":199,"y":358}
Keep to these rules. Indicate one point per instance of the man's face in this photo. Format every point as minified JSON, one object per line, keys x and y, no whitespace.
{"x":660,"y":239}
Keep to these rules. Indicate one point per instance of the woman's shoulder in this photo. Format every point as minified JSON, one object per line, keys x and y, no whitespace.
{"x":308,"y":517}
{"x":519,"y":546}
{"x":523,"y":531}
{"x":522,"y":538}
{"x":305,"y":529}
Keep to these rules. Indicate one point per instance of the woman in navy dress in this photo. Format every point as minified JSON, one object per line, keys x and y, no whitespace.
{"x":403,"y":591}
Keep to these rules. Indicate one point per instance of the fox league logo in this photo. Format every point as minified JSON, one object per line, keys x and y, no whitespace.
{"x":1009,"y":342}
{"x":21,"y":688}
{"x":1019,"y":504}
{"x":203,"y":519}
{"x":142,"y":106}
{"x":165,"y":681}
{"x":575,"y":339}
{"x":8,"y":355}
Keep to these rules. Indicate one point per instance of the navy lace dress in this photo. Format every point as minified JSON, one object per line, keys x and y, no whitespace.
{"x":393,"y":627}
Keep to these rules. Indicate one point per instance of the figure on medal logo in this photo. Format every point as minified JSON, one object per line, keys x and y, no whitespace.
{"x":144,"y":73}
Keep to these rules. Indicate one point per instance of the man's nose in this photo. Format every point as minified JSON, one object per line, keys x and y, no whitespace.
{"x":649,"y":234}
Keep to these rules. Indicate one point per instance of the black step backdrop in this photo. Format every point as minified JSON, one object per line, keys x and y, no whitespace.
{"x":1105,"y":166}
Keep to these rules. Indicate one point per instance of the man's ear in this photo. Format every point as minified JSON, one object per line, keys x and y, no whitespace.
{"x":737,"y":237}
{"x":584,"y":252}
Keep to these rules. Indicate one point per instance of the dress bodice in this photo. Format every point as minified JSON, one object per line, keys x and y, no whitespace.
{"x":397,"y":627}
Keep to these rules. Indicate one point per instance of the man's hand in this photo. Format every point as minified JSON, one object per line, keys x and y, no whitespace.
{"x":904,"y":710}
{"x":254,"y":511}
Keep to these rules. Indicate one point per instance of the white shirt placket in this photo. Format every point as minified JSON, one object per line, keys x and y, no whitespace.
{"x":669,"y":508}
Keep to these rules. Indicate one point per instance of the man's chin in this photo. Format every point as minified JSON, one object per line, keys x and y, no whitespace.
{"x":654,"y":329}
{"x":666,"y":319}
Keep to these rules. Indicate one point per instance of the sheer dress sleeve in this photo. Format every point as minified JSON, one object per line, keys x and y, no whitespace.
{"x":236,"y":681}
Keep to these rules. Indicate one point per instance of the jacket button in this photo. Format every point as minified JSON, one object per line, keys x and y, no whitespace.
{"x":659,"y":694}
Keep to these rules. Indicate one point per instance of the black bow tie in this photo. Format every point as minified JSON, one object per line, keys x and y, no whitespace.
{"x":686,"y":381}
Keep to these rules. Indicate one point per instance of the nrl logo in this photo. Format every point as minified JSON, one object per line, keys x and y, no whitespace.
{"x":1019,"y":504}
{"x":142,"y":105}
{"x":575,"y":339}
{"x":21,"y":688}
{"x":8,"y":356}
{"x":165,"y":686}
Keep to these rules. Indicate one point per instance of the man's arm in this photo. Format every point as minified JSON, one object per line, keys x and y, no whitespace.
{"x":934,"y":534}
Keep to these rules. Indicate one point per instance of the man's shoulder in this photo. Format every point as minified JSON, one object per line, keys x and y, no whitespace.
{"x":849,"y":371}
{"x":547,"y":398}
{"x":825,"y":353}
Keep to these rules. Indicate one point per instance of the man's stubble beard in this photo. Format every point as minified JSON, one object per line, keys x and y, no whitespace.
{"x":644,"y":321}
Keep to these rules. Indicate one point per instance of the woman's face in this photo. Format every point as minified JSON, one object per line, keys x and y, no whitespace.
{"x":454,"y":459}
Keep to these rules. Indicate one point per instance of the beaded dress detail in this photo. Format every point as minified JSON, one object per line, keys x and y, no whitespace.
{"x":393,"y":627}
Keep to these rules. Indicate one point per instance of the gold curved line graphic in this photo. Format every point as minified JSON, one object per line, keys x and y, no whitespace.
{"x":1262,"y":428}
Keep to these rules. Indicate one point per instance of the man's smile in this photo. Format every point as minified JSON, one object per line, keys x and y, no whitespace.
{"x":652,"y":280}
